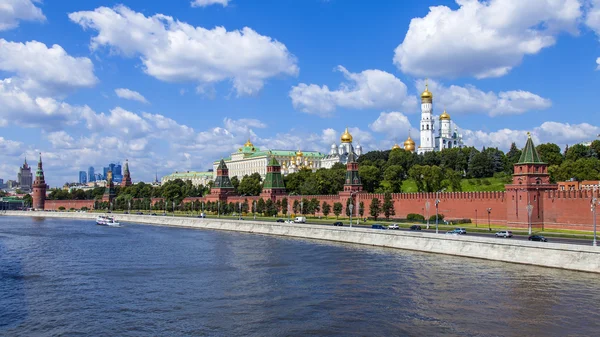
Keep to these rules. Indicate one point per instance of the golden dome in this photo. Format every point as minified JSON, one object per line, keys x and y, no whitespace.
{"x":396,"y":146}
{"x":409,"y":144}
{"x":426,"y":96}
{"x":346,"y":137}
{"x":249,"y":143}
{"x":444,"y":116}
{"x":299,"y":153}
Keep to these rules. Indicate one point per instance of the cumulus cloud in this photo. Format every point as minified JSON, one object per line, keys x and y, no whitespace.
{"x":394,"y":124}
{"x":43,"y":70}
{"x":175,"y":51}
{"x":469,"y":99}
{"x":130,"y":94}
{"x":483,"y":38}
{"x":13,"y":11}
{"x":204,"y":3}
{"x":592,"y":20}
{"x":370,"y":88}
{"x":10,"y":147}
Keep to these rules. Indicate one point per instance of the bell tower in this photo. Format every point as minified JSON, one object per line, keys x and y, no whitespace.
{"x":427,"y":136}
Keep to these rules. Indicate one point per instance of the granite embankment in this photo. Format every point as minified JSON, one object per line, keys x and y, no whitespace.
{"x":553,"y":255}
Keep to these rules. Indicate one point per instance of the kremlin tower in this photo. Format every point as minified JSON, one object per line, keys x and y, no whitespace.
{"x":126,"y":175}
{"x":39,"y":188}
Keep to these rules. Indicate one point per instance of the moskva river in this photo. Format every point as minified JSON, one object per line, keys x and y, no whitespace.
{"x":73,"y":278}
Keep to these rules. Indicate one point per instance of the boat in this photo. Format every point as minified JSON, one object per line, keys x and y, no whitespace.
{"x":104,"y":220}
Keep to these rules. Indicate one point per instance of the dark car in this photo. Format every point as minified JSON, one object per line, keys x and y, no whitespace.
{"x":140,"y":213}
{"x":415,"y":228}
{"x":537,"y":238}
{"x":154,"y":214}
{"x":125,"y":212}
{"x":280,"y":220}
{"x":338,"y":223}
{"x":378,"y":227}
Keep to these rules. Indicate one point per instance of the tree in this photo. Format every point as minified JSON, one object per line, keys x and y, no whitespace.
{"x":550,"y":153}
{"x":250,"y":185}
{"x":452,"y":180}
{"x":270,"y":208}
{"x":235,"y":182}
{"x":427,"y":178}
{"x":512,"y":157}
{"x":348,"y":203}
{"x":361,"y":209}
{"x":260,"y":206}
{"x":284,"y":206}
{"x":28,"y":200}
{"x":595,"y":146}
{"x":370,"y":176}
{"x":388,"y":206}
{"x":296,"y":206}
{"x":480,"y":165}
{"x":393,"y":176}
{"x":304,"y":206}
{"x":375,"y":208}
{"x":337,"y":209}
{"x":315,"y":206}
{"x":326,"y":208}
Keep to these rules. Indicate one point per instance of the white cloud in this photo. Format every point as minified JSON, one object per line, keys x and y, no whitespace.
{"x":368,"y":89}
{"x":19,"y":107}
{"x":592,"y":20}
{"x":43,"y":70}
{"x":10,"y":147}
{"x":483,"y":38}
{"x":548,"y":132}
{"x":394,"y":124}
{"x":130,"y":94}
{"x":469,"y":99}
{"x":60,"y":140}
{"x":175,"y":51}
{"x":204,"y":3}
{"x":13,"y":11}
{"x":598,"y":63}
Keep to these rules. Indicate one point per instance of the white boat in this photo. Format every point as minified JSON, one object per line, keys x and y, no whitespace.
{"x":104,"y":220}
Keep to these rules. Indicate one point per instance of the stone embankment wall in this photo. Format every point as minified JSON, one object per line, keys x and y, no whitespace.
{"x":554,"y":255}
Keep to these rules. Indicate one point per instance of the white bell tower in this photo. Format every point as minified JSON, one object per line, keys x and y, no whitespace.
{"x":427,"y":143}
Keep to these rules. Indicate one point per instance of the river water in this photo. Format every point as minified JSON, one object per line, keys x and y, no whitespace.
{"x":70,"y":277}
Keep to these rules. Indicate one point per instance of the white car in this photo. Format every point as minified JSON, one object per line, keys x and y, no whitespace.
{"x":393,"y":226}
{"x":504,"y":234}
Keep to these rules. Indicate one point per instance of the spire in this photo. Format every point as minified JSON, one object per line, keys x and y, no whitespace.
{"x":126,"y":175}
{"x":530,"y":154}
{"x":25,"y":164}
{"x":40,"y":170}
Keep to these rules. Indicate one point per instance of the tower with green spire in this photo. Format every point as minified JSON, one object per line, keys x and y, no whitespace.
{"x":222,"y":186}
{"x":273,"y":184}
{"x":525,"y":194}
{"x":39,"y":188}
{"x":352,"y":182}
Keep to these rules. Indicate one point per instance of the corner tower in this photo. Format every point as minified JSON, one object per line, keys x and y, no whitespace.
{"x":222,"y":186}
{"x":427,"y":136}
{"x":39,"y":188}
{"x":273,"y":185}
{"x":530,"y":180}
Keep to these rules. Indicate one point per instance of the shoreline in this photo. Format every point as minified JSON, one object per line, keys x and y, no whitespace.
{"x":544,"y":254}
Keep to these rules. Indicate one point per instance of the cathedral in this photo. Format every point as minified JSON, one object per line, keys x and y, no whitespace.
{"x":436,"y":138}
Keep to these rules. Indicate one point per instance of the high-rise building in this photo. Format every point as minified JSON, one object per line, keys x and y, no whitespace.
{"x":105,"y":172}
{"x":82,"y":177}
{"x":117,"y":173}
{"x":91,"y":174}
{"x":25,"y":178}
{"x":1,"y":183}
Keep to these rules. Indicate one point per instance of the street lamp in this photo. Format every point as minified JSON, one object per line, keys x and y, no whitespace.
{"x":489,"y":210}
{"x":437,"y":202}
{"x":529,"y":211}
{"x":427,"y":205}
{"x":173,"y":207}
{"x":240,"y":214}
{"x":218,"y":208}
{"x":351,"y":206}
{"x":476,"y":217}
{"x":594,"y":200}
{"x":254,"y":209}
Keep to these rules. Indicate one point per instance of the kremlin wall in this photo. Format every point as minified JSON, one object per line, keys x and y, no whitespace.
{"x":550,"y":208}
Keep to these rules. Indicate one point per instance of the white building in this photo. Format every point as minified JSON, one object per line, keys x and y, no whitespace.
{"x":433,"y":139}
{"x":197,"y":178}
{"x":339,"y":153}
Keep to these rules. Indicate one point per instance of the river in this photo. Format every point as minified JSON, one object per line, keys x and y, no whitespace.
{"x":71,"y":277}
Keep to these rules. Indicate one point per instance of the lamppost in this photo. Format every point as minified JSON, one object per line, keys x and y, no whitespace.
{"x":218,"y":208}
{"x":173,"y":207}
{"x":437,"y":202}
{"x":240,"y":214}
{"x":301,"y":206}
{"x":476,"y":217}
{"x":192,"y":210}
{"x":489,"y":210}
{"x":351,"y":206}
{"x":129,"y":206}
{"x":529,"y":211}
{"x":427,"y":206}
{"x":594,"y":200}
{"x":254,"y":209}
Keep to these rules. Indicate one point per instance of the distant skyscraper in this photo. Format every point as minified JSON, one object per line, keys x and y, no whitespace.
{"x":82,"y":177}
{"x":117,"y":173}
{"x":105,"y":173}
{"x":25,"y":178}
{"x":1,"y":182}
{"x":91,"y":174}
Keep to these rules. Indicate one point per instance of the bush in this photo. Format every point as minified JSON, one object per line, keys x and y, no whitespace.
{"x":84,"y":208}
{"x":459,"y":221}
{"x":415,"y":217}
{"x":486,"y":182}
{"x":61,"y":208}
{"x":440,"y":218}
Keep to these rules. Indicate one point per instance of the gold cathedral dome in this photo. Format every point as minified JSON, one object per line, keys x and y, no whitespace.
{"x":396,"y":146}
{"x":426,"y":96}
{"x":299,"y":153}
{"x":444,"y":116}
{"x":409,"y":144}
{"x":346,"y":137}
{"x":249,"y":143}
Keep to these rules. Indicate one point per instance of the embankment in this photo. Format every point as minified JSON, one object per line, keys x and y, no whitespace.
{"x":553,"y":255}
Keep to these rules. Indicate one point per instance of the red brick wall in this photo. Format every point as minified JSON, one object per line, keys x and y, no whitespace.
{"x":569,"y":209}
{"x":54,"y":205}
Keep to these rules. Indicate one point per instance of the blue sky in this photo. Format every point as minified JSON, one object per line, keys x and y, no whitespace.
{"x":174,"y":85}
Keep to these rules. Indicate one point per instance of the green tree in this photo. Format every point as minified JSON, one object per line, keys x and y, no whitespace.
{"x":326,"y":208}
{"x":452,"y":180}
{"x":427,"y":178}
{"x":337,"y":209}
{"x":578,"y":151}
{"x":348,"y":202}
{"x":388,"y":206}
{"x":375,"y":208}
{"x":512,"y":157}
{"x":304,"y":206}
{"x":235,"y":182}
{"x":370,"y":176}
{"x":284,"y":206}
{"x":393,"y":176}
{"x":260,"y":206}
{"x":361,"y":209}
{"x":250,"y":185}
{"x":550,"y":153}
{"x":480,"y":165}
{"x":595,"y":146}
{"x":315,"y":206}
{"x":296,"y":206}
{"x":270,"y":208}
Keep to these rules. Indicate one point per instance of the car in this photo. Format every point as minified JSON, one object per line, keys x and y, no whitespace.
{"x":415,"y":228}
{"x":279,"y":220}
{"x":338,"y":223}
{"x":461,"y":231}
{"x":288,"y":221}
{"x":504,"y":234}
{"x":300,"y":219}
{"x":140,"y":213}
{"x":377,"y":226}
{"x":125,"y":212}
{"x":537,"y":238}
{"x":154,"y":214}
{"x":393,"y":226}
{"x":452,"y":232}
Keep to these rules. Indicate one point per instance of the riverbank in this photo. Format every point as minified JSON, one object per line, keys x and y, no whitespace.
{"x":553,"y":255}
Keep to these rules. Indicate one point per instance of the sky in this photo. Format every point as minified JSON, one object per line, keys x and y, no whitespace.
{"x":175,"y":85}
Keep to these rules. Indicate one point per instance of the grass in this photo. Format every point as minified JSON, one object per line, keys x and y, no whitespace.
{"x":468,"y":185}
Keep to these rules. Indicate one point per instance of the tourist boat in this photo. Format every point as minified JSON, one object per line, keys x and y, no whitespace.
{"x":104,"y":220}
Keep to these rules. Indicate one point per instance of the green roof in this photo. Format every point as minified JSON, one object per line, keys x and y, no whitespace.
{"x":189,"y":175}
{"x":222,"y":165}
{"x":530,"y":154}
{"x":273,"y":162}
{"x":279,"y":153}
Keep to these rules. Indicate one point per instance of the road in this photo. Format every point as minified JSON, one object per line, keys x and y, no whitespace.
{"x":583,"y":242}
